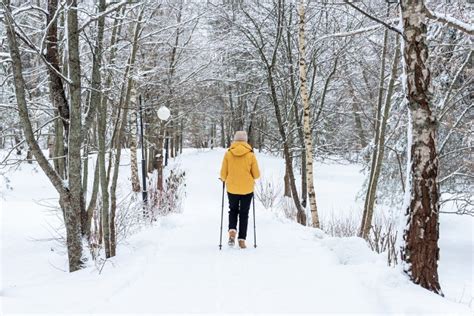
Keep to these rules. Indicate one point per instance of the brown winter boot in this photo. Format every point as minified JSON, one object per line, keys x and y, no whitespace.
{"x":232,"y":234}
{"x":242,"y":244}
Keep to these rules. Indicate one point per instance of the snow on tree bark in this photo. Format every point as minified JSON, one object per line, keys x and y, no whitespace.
{"x":420,"y":251}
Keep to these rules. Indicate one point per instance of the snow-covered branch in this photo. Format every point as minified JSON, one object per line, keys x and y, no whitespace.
{"x":105,"y":13}
{"x":390,"y":27}
{"x":358,"y":31}
{"x":450,"y":21}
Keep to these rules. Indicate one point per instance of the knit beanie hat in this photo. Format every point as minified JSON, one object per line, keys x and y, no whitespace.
{"x":240,"y":136}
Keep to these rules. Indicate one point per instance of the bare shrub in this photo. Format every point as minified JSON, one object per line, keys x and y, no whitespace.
{"x":168,"y":200}
{"x":340,"y":225}
{"x":288,"y":208}
{"x":129,"y":218}
{"x":382,"y":238}
{"x":267,"y":192}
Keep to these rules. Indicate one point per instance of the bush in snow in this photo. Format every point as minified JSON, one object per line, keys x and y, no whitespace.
{"x":382,"y":238}
{"x":168,"y":200}
{"x":339,"y":225}
{"x":129,"y":218}
{"x":267,"y":192}
{"x":287,"y":207}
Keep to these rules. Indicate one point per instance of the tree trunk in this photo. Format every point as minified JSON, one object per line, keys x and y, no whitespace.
{"x":159,"y":156}
{"x":377,"y":119}
{"x":181,"y":136}
{"x":85,"y":181}
{"x":102,"y":106}
{"x":124,"y":104}
{"x":71,"y":217}
{"x":94,"y":104}
{"x":420,"y":252}
{"x":104,"y":185}
{"x":222,"y":132}
{"x":133,"y":143}
{"x":57,"y":93}
{"x":380,"y":146}
{"x":75,"y":126}
{"x":299,"y":126}
{"x":93,"y":200}
{"x":286,"y":180}
{"x":301,"y":214}
{"x":308,"y":137}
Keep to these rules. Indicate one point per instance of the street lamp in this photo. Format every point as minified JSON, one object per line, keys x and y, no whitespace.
{"x":164,"y":114}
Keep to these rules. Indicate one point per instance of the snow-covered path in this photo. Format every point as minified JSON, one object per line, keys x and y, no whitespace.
{"x":288,"y":272}
{"x":176,"y":267}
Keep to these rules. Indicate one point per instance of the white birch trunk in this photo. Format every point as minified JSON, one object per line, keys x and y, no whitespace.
{"x":308,"y":139}
{"x":133,"y":142}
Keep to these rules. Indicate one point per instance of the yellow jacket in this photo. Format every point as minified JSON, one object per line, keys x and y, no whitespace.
{"x":239,"y":168}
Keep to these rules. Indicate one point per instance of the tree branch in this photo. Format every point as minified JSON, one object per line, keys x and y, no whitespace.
{"x":392,"y":28}
{"x":450,"y":21}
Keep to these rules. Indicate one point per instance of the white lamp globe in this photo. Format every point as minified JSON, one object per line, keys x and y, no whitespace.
{"x":164,"y":113}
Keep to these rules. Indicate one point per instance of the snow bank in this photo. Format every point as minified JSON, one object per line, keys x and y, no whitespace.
{"x":351,"y":250}
{"x":175,"y":266}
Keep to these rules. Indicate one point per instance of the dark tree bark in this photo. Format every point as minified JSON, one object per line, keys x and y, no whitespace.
{"x":58,"y":95}
{"x":421,"y":251}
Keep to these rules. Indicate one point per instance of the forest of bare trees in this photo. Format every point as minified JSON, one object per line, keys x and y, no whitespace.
{"x":386,"y":84}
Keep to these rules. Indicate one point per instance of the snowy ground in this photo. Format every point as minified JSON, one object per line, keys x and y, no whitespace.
{"x":176,"y":266}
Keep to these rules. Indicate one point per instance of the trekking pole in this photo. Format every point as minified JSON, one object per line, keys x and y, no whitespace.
{"x":222,"y":214}
{"x":254,"y":226}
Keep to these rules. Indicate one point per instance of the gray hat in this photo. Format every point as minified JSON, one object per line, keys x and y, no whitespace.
{"x":240,"y":136}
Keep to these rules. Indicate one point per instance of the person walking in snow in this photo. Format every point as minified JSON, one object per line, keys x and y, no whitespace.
{"x":239,"y":171}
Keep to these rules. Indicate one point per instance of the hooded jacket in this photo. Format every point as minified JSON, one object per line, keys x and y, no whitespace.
{"x":239,"y":168}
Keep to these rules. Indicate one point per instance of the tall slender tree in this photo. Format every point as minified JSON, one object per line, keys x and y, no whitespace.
{"x":308,"y":135}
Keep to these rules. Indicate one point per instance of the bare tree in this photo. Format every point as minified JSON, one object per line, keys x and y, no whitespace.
{"x":71,"y":212}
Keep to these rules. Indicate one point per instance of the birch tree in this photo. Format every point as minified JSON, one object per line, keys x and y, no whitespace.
{"x":308,"y":136}
{"x":421,"y":251}
{"x":133,"y":141}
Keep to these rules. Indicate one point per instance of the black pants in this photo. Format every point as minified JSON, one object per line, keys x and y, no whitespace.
{"x":239,"y":206}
